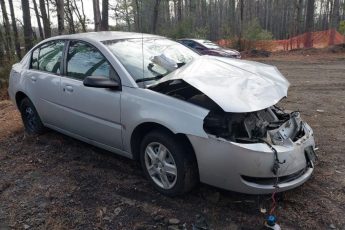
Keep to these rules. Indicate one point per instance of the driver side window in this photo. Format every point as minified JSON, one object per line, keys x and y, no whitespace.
{"x":85,"y":60}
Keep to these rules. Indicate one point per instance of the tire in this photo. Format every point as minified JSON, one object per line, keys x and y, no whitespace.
{"x":32,"y":121}
{"x":159,"y":169}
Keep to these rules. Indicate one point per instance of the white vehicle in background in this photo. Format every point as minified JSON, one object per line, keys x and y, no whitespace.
{"x":186,"y":117}
{"x":206,"y":47}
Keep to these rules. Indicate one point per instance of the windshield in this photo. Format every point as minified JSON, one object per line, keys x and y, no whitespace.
{"x":210,"y":45}
{"x":160,"y":57}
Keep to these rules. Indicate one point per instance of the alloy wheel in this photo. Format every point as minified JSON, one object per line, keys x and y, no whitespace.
{"x":160,"y":165}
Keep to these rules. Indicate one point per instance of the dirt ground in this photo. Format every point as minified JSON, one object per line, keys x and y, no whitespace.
{"x":55,"y":182}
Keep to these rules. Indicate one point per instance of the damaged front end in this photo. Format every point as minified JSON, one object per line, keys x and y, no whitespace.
{"x":253,"y":146}
{"x":271,"y":125}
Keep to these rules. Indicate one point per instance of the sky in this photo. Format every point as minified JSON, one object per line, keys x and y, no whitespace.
{"x":18,"y":12}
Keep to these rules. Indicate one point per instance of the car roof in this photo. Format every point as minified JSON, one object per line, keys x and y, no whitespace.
{"x":105,"y":36}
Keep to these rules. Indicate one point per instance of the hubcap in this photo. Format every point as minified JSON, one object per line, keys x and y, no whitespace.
{"x":160,"y":165}
{"x":30,"y":118}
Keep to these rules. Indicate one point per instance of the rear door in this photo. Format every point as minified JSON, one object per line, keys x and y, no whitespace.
{"x":43,"y":80}
{"x":92,"y":113}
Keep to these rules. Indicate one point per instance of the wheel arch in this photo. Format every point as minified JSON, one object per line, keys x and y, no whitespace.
{"x":144,"y":128}
{"x":19,"y":97}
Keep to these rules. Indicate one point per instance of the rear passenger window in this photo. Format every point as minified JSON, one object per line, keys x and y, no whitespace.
{"x":84,"y":60}
{"x":34,"y":59}
{"x":50,"y":56}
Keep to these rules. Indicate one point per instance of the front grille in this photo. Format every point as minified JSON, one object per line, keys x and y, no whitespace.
{"x":272,"y":180}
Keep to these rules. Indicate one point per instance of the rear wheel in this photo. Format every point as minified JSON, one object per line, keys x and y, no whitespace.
{"x":167,"y":163}
{"x":32,"y":121}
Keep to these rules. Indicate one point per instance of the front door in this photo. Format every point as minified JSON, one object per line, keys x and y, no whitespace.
{"x":92,"y":113}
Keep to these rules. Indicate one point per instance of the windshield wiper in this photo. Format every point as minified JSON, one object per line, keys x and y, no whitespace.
{"x":149,"y":78}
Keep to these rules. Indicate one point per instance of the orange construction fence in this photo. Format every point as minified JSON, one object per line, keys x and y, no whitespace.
{"x":320,"y":39}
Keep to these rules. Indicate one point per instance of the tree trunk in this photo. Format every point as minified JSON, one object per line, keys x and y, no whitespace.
{"x":241,"y":25}
{"x":7,"y":27}
{"x":97,"y":15}
{"x":2,"y":54}
{"x":299,"y":17}
{"x":105,"y":15}
{"x":308,"y":43}
{"x":27,"y":25}
{"x":84,"y":17}
{"x":136,"y":9}
{"x":48,"y":12}
{"x":45,"y":19}
{"x":155,"y":16}
{"x":60,"y":15}
{"x":334,"y":22}
{"x":127,"y":17}
{"x":203,"y":12}
{"x":266,"y":14}
{"x":232,"y":16}
{"x":69,"y":16}
{"x":38,"y":20}
{"x":179,"y":11}
{"x":15,"y":30}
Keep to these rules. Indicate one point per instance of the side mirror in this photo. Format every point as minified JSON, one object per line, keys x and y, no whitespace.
{"x":101,"y":82}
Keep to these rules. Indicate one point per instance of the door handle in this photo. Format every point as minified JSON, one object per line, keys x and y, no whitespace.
{"x":68,"y":88}
{"x":33,"y":78}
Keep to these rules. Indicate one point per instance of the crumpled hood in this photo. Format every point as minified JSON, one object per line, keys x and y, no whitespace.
{"x":235,"y":85}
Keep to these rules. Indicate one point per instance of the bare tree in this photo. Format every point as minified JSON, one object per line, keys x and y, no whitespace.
{"x":241,"y":5}
{"x":137,"y":15}
{"x":155,"y":16}
{"x":105,"y":15}
{"x":45,"y":19}
{"x":8,"y":40}
{"x":27,"y":25}
{"x":60,"y":15}
{"x":38,"y":18}
{"x":69,"y":12}
{"x":179,"y":10}
{"x":80,"y":14}
{"x":334,"y":22}
{"x":128,"y":17}
{"x":309,"y":24}
{"x":2,"y":55}
{"x":97,"y":15}
{"x":15,"y":30}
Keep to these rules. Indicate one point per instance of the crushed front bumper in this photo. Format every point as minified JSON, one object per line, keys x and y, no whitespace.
{"x":247,"y":168}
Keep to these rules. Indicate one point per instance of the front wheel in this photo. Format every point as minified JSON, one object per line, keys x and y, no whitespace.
{"x":168,"y":163}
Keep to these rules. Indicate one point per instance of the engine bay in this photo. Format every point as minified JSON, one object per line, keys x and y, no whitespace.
{"x":271,"y":125}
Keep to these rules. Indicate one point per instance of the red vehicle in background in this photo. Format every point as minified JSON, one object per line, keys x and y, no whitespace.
{"x":206,"y":47}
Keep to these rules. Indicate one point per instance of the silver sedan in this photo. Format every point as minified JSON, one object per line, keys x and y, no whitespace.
{"x":185,"y":117}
